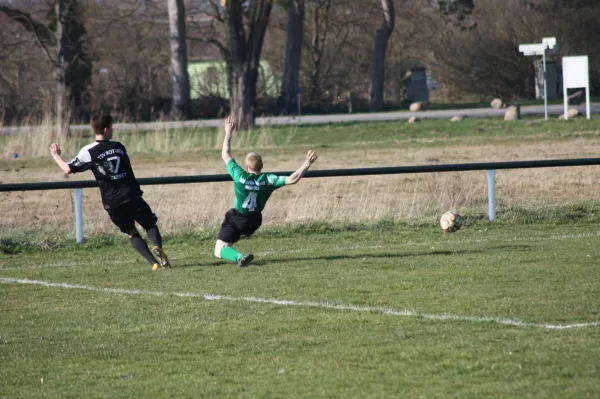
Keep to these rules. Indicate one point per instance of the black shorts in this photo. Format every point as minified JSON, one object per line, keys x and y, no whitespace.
{"x":125,"y":216}
{"x":237,"y":224}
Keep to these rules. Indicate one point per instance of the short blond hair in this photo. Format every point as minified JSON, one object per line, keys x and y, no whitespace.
{"x":254,"y":161}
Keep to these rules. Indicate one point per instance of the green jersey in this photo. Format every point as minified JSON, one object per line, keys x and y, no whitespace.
{"x":252,"y":191}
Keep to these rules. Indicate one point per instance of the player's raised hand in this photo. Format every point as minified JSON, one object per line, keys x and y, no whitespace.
{"x":312,"y":156}
{"x":55,"y":149}
{"x":229,"y":125}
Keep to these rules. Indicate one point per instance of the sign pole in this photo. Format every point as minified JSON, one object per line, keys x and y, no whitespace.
{"x":548,"y":43}
{"x":587,"y":102}
{"x":566,"y":102}
{"x":545,"y":84}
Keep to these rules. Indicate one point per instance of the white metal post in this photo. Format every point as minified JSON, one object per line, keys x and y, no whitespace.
{"x":78,"y":199}
{"x":587,"y":102}
{"x":566,"y":103}
{"x":545,"y":84}
{"x":491,"y":177}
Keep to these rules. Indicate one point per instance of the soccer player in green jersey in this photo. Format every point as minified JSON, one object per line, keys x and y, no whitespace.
{"x":252,"y":190}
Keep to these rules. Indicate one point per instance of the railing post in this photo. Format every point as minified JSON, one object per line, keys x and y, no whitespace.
{"x":78,"y":199}
{"x":491,"y":178}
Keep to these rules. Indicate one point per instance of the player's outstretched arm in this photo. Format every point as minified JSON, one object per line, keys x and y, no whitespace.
{"x":295,"y":177}
{"x":229,"y":129}
{"x":55,"y":151}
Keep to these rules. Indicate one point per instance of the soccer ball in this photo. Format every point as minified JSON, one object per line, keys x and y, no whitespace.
{"x":450,"y":222}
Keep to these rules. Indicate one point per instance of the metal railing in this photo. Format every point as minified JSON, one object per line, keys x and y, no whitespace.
{"x":490,"y":167}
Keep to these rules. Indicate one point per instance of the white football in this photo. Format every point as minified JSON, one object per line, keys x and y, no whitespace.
{"x":450,"y":222}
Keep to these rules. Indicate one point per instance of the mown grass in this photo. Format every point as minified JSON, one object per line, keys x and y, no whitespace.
{"x":59,"y":342}
{"x":343,"y":135}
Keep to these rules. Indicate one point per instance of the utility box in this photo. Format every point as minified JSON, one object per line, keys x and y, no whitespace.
{"x":554,"y":79}
{"x":415,"y":86}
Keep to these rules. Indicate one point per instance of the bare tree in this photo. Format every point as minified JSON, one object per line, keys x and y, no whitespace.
{"x":290,"y":83}
{"x":380,"y":48}
{"x":179,"y":71}
{"x":72,"y":65}
{"x":246,"y":22}
{"x":134,"y":78}
{"x":320,"y":28}
{"x":61,"y":63}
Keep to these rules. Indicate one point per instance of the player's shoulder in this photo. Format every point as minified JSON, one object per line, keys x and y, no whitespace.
{"x":271,"y":178}
{"x":85,"y":150}
{"x":89,"y":146}
{"x":117,"y":144}
{"x":233,"y":163}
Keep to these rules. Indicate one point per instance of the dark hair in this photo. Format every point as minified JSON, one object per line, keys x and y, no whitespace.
{"x":100,"y":122}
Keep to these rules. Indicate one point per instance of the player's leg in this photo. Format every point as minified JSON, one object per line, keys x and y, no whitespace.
{"x":224,"y":250}
{"x":251,"y":224}
{"x":122,"y":217}
{"x":140,"y":245}
{"x":229,"y":234}
{"x":147,"y":219}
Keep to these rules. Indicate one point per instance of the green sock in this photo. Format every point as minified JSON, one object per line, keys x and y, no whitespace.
{"x":231,"y":254}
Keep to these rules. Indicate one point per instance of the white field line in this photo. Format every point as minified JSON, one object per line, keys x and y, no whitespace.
{"x":335,"y":248}
{"x":309,"y":304}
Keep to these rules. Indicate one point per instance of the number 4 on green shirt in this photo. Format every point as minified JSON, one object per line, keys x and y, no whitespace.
{"x":252,"y":191}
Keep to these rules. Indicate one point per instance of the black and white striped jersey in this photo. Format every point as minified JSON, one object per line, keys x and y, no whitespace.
{"x":110,"y":164}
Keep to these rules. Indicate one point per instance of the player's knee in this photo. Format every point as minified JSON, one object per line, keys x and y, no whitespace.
{"x":132,"y":233}
{"x":149,"y":227}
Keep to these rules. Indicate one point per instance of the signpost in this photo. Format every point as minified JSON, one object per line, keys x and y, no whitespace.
{"x":548,"y":43}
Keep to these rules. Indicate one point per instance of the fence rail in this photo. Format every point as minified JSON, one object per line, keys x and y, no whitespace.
{"x":320,"y":173}
{"x":490,"y":167}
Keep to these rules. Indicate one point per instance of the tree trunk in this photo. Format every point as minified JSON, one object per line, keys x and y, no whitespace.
{"x":379,"y":51}
{"x":243,"y":97}
{"x":60,"y":69}
{"x":320,"y":29}
{"x":179,"y":72}
{"x":245,"y":47}
{"x":290,"y":83}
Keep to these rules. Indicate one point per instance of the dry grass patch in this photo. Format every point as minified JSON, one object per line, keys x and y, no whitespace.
{"x":192,"y":207}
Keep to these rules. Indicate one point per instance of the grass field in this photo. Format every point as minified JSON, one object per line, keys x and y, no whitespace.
{"x":356,"y":292}
{"x":387,"y":310}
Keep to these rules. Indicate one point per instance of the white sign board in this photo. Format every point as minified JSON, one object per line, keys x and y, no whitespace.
{"x":549,"y":42}
{"x":575,"y":72}
{"x":532,"y":49}
{"x":576,"y":75}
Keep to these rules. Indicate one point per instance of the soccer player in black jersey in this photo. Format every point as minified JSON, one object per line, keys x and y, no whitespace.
{"x":120,"y":191}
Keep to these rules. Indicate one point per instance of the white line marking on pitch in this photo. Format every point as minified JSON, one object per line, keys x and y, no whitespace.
{"x":309,"y":304}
